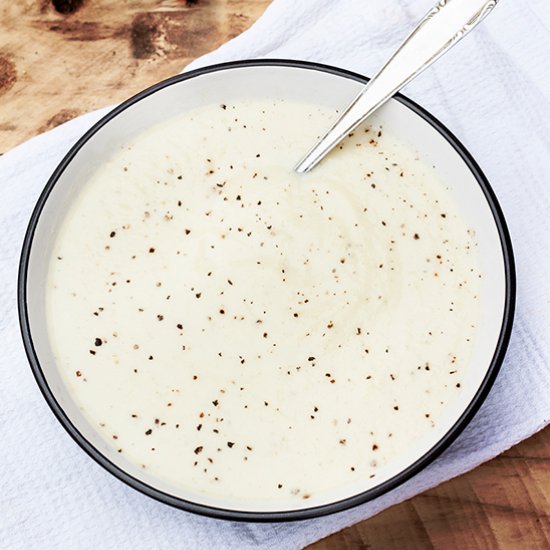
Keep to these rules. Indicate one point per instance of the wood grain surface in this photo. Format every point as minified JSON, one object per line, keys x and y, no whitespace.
{"x":61,"y":58}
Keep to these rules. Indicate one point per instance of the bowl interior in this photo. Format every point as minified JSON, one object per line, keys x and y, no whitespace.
{"x":284,"y":82}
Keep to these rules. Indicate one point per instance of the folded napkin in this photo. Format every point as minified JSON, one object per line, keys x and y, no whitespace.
{"x":492,"y":90}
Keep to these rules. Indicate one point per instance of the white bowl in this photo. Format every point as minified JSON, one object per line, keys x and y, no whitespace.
{"x":284,"y":80}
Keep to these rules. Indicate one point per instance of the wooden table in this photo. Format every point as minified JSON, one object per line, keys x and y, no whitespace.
{"x":61,"y":58}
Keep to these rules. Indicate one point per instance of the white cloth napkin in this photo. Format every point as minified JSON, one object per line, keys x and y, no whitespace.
{"x":492,"y":90}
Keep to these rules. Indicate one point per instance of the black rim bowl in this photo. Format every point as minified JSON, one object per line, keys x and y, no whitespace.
{"x":307,"y":513}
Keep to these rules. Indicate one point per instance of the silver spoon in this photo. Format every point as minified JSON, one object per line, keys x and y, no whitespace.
{"x":445,"y":25}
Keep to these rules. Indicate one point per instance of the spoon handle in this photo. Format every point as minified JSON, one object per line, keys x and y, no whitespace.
{"x":445,"y":25}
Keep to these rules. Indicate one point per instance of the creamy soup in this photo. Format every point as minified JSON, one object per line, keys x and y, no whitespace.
{"x":246,"y":333}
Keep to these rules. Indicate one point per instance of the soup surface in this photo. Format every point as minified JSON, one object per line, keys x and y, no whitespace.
{"x":243,"y":332}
